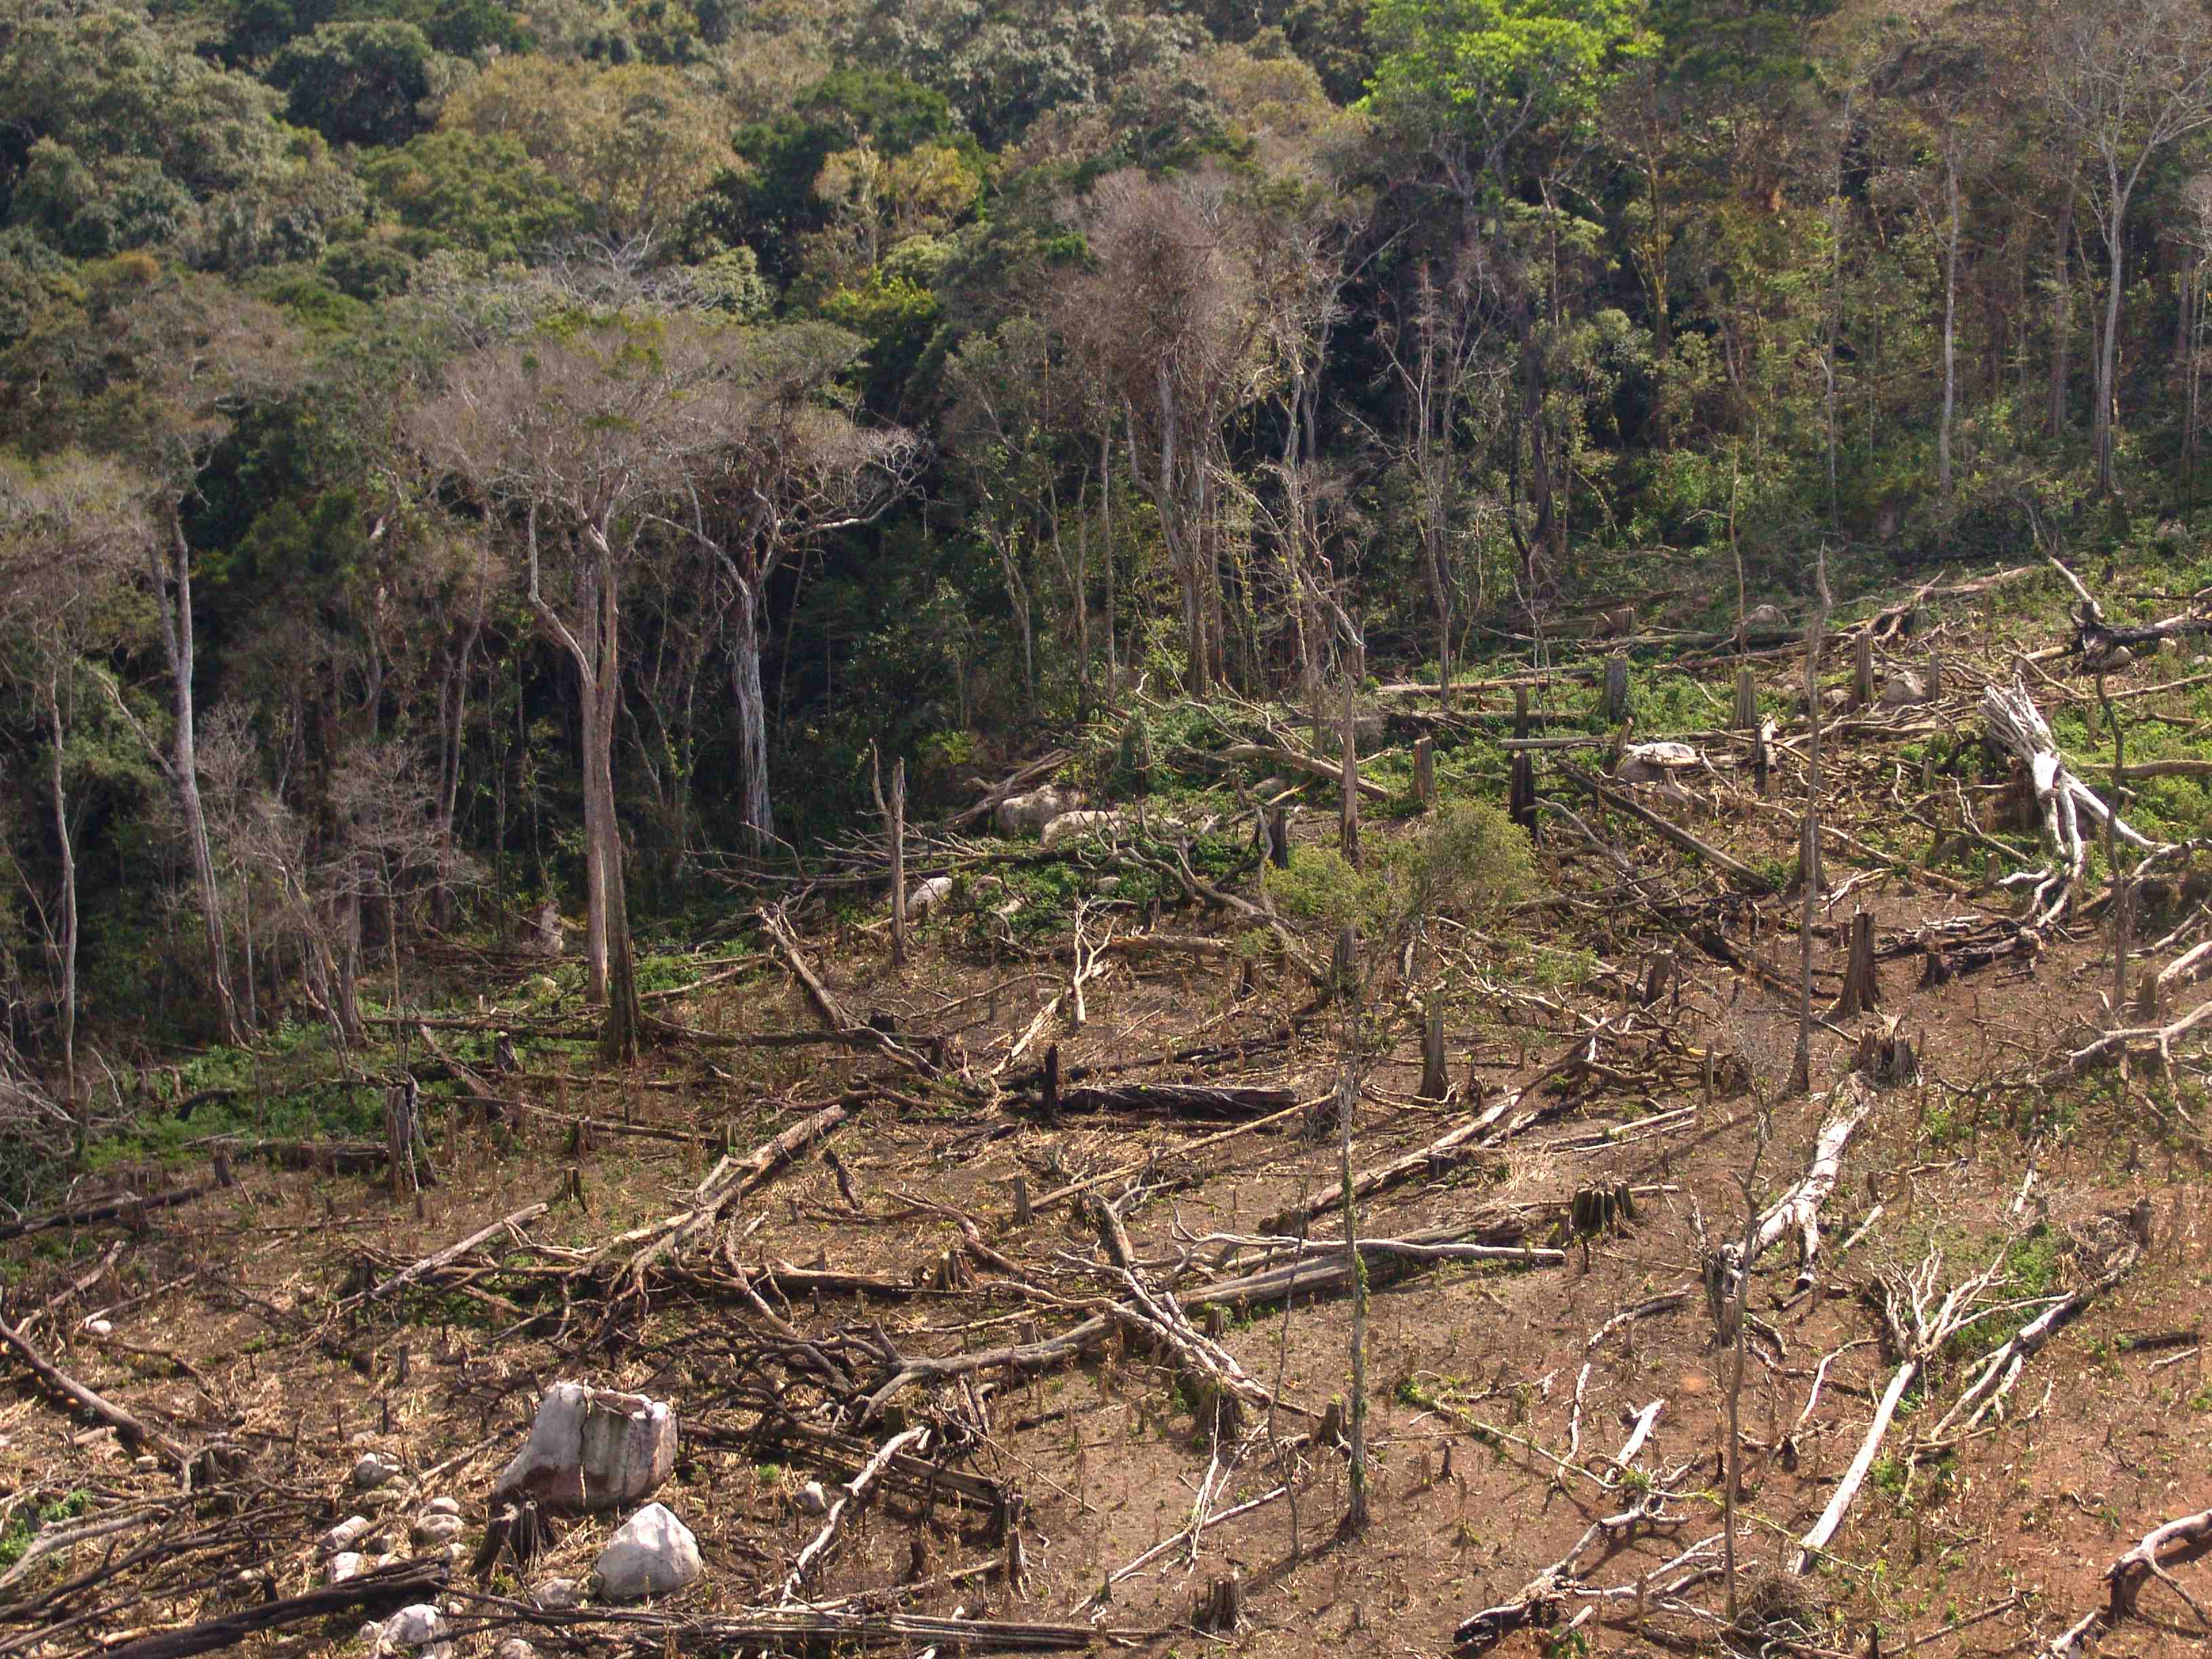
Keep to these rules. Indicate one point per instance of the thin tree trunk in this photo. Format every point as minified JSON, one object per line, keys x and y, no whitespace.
{"x":2062,"y":314}
{"x":753,"y":808}
{"x":173,"y":600}
{"x":1809,"y":846}
{"x":1355,"y":1512}
{"x":67,"y":943}
{"x":1106,"y":535}
{"x":1950,"y":324}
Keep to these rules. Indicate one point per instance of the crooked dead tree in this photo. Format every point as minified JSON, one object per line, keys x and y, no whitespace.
{"x":1356,"y":1505}
{"x":894,"y":814}
{"x":2063,"y":799}
{"x":1348,"y":802}
{"x":1808,"y":850}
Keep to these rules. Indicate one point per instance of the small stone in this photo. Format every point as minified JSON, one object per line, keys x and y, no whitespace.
{"x":1028,"y":814}
{"x":556,"y":1595}
{"x":514,"y":1647}
{"x":145,"y":1462}
{"x":442,"y":1506}
{"x":346,"y":1564}
{"x":1073,"y":826}
{"x":419,"y":1629}
{"x":813,"y":1498}
{"x":434,"y":1531}
{"x":100,"y":1327}
{"x":372,"y":1472}
{"x":651,"y":1554}
{"x":1904,"y":689}
{"x":344,"y":1536}
{"x":925,"y":895}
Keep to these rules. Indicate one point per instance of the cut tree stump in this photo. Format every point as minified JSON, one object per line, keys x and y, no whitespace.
{"x":1434,"y":1084}
{"x":1862,"y":992}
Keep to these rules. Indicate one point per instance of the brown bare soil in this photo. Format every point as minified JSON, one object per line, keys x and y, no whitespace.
{"x":1501,"y":1389}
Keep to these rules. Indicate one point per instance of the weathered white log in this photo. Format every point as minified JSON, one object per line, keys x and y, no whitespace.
{"x":2063,"y":798}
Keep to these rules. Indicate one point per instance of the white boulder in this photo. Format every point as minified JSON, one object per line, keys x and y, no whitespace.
{"x":556,"y":1595}
{"x":1904,"y":690}
{"x":925,"y":895}
{"x":372,"y":1472}
{"x":1765,"y":616}
{"x":812,"y":1499}
{"x":436,"y":1531}
{"x":592,"y":1448}
{"x":514,"y":1647}
{"x":420,"y":1630}
{"x":1652,"y":763}
{"x":344,"y":1536}
{"x":346,"y":1564}
{"x":1027,"y":815}
{"x":651,"y":1554}
{"x":442,"y":1506}
{"x":1073,"y":826}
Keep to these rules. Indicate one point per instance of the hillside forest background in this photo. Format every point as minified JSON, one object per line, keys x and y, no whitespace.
{"x":462,"y":457}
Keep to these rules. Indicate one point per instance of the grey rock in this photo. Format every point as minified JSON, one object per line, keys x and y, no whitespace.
{"x":812,"y":1499}
{"x":514,"y":1647}
{"x":556,"y":1595}
{"x":1073,"y":826}
{"x":421,"y":1629}
{"x":346,"y":1564}
{"x":442,"y":1506}
{"x":435,"y":1531}
{"x":925,"y":895}
{"x":651,"y":1554}
{"x":372,"y":1472}
{"x":1028,"y":814}
{"x":344,"y":1536}
{"x":1904,"y":689}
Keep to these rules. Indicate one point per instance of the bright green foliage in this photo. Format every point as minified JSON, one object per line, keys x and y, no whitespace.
{"x":1503,"y":70}
{"x":470,"y":190}
{"x":1467,"y":861}
{"x":361,"y":83}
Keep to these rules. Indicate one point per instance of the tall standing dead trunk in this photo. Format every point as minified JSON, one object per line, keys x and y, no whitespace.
{"x":173,"y":596}
{"x":754,"y":812}
{"x":1808,"y":869}
{"x":2062,"y":314}
{"x":65,"y":945}
{"x":1950,"y":319}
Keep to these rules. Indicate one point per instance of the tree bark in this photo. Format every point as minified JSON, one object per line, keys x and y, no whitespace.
{"x":173,"y":595}
{"x":66,"y":943}
{"x":754,"y":810}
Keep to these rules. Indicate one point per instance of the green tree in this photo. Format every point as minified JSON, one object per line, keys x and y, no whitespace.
{"x":367,"y":83}
{"x":470,"y":189}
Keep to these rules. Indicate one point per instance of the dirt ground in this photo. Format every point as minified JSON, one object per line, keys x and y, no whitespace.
{"x":1499,"y":1389}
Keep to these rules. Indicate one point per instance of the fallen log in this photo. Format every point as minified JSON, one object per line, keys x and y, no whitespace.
{"x":730,"y":1180}
{"x":127,"y":1206}
{"x":1317,"y":1267}
{"x":1454,"y":1147}
{"x":1673,"y":833}
{"x":134,"y":1432}
{"x":1798,"y":1210}
{"x":452,"y":1253}
{"x":1290,"y":760}
{"x":1225,"y":1102}
{"x":815,"y":1630}
{"x":2168,"y":1544}
{"x":401,"y":1583}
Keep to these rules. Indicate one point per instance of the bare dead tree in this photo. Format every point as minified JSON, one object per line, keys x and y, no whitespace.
{"x":1808,"y":854}
{"x":2127,"y":81}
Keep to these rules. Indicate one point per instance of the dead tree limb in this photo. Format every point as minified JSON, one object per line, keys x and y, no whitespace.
{"x":452,"y":1253}
{"x":730,"y":1180}
{"x":402,"y":1582}
{"x":2065,"y":801}
{"x":134,"y":1431}
{"x":850,"y":1498}
{"x":2168,"y":1544}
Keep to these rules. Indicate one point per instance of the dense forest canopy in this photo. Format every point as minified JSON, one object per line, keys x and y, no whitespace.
{"x":463,"y":455}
